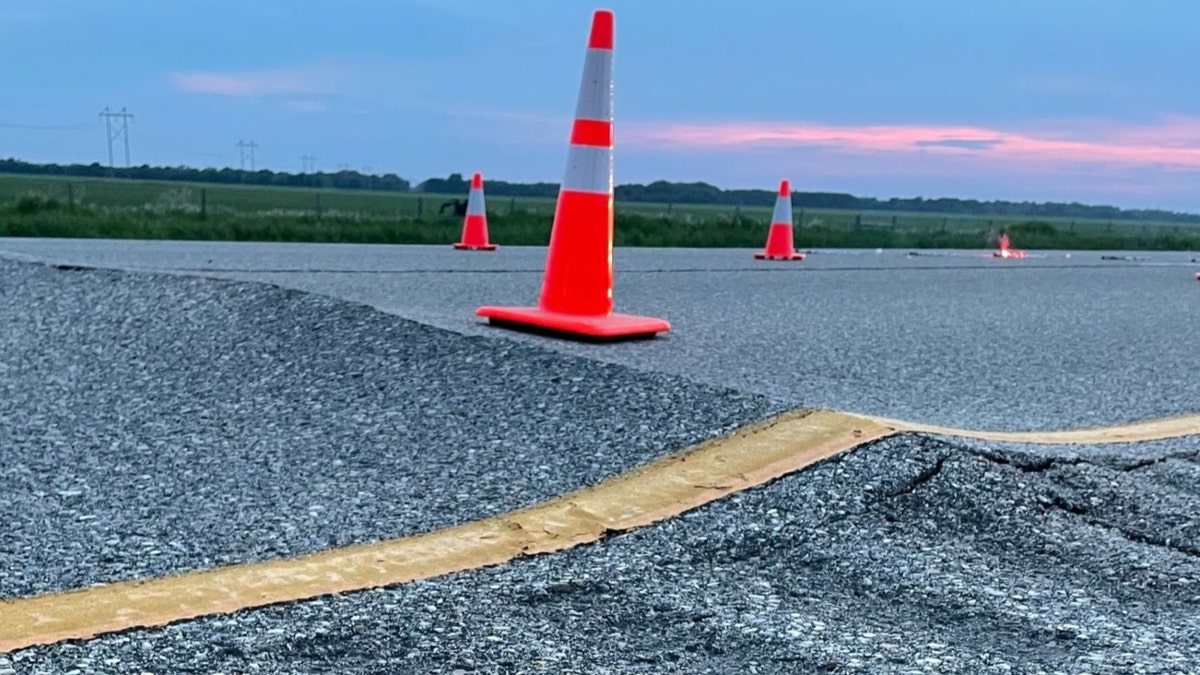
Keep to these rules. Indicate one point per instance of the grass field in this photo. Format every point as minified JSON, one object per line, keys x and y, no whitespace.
{"x":74,"y":207}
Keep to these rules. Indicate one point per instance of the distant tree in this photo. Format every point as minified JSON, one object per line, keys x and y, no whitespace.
{"x":343,"y":179}
{"x":659,"y":191}
{"x":454,"y":184}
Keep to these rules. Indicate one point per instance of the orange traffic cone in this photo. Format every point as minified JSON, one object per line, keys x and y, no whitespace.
{"x":577,"y":290}
{"x":474,"y":233}
{"x":779,"y":239}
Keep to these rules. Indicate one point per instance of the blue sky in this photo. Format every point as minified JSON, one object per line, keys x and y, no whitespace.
{"x":1096,"y":101}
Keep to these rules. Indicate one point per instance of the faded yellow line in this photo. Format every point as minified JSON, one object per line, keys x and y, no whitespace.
{"x":662,"y":489}
{"x":1149,"y":430}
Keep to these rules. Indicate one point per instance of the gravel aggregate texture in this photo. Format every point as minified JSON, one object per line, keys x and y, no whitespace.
{"x":161,"y":422}
{"x":946,"y":337}
{"x":153,"y":423}
{"x":977,"y":348}
{"x":912,"y":555}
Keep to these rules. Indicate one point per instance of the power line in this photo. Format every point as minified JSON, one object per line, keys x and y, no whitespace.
{"x":242,"y":147}
{"x":308,"y":163}
{"x":122,"y":129}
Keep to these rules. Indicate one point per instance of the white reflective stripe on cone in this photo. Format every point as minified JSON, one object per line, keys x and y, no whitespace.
{"x":595,"y":88}
{"x":589,"y":169}
{"x":783,"y":211}
{"x":475,"y":205}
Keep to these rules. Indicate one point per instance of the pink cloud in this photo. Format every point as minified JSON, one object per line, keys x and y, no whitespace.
{"x":306,"y":80}
{"x":1174,"y":131}
{"x":1172,"y":143}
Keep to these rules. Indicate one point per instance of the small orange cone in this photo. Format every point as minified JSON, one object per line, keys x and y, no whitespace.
{"x":779,"y":240}
{"x":577,"y":290}
{"x":474,"y":233}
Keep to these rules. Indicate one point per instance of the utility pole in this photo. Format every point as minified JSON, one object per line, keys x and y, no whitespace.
{"x":121,"y":130}
{"x":308,"y":163}
{"x":242,"y":147}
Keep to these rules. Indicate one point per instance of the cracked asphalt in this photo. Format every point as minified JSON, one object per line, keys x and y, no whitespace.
{"x":915,"y":554}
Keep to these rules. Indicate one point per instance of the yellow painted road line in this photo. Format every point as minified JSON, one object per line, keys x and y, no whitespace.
{"x":1149,"y":430}
{"x":661,"y":489}
{"x":668,"y":487}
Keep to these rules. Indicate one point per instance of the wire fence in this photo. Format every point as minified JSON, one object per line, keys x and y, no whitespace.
{"x":215,"y":201}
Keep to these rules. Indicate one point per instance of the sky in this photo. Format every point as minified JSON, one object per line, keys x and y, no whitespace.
{"x":1091,"y":101}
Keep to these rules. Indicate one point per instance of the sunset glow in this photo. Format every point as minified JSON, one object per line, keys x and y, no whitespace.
{"x":1171,"y":144}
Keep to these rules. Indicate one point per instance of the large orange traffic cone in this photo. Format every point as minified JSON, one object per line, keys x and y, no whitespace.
{"x":475,"y":234}
{"x":577,"y":290}
{"x":779,"y":240}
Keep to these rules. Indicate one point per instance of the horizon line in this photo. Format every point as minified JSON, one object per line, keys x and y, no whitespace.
{"x":415,"y":183}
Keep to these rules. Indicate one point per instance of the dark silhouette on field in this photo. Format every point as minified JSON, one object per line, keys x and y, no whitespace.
{"x":460,"y":207}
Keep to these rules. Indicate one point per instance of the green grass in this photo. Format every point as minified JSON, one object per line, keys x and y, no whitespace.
{"x":61,"y":207}
{"x":237,"y":199}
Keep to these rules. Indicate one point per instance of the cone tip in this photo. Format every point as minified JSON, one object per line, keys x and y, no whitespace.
{"x":602,"y":30}
{"x":477,"y":181}
{"x":785,"y":189}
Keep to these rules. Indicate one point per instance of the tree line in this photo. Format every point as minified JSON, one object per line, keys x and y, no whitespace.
{"x":342,"y":180}
{"x":659,"y":192}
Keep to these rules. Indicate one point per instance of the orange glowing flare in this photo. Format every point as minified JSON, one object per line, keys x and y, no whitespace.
{"x":1005,"y":251}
